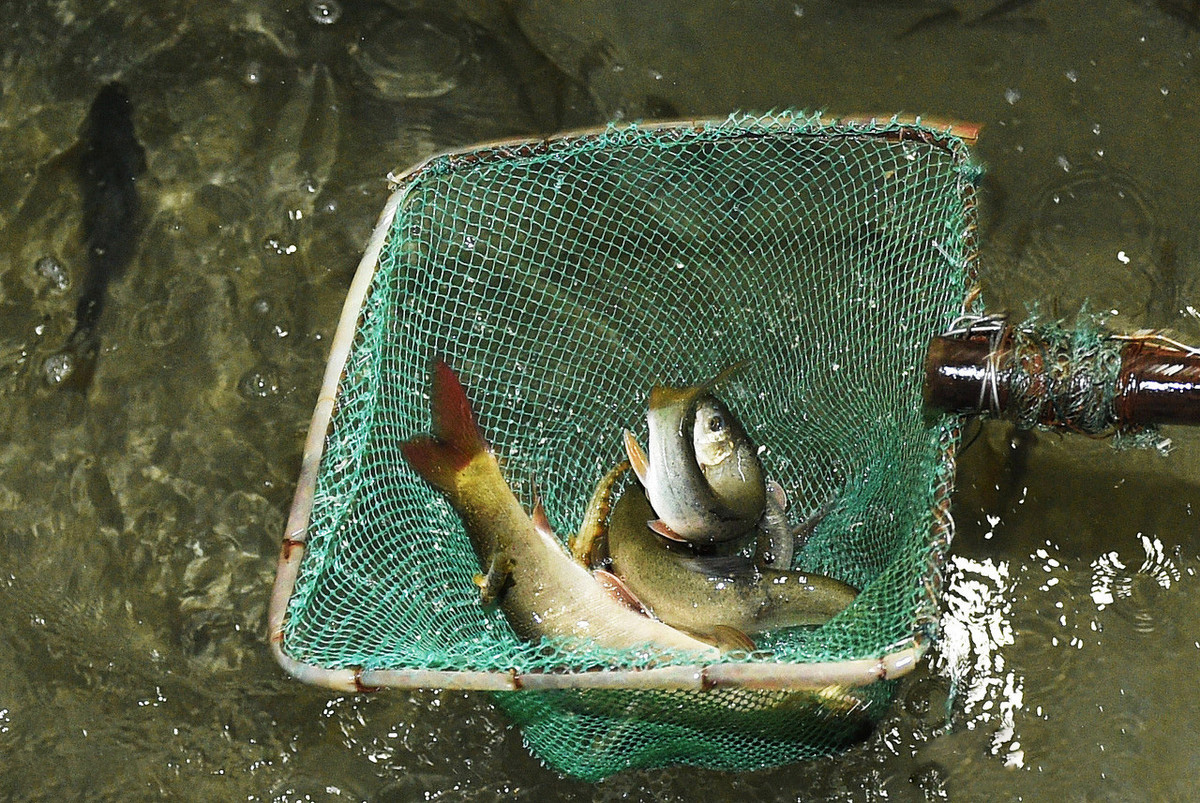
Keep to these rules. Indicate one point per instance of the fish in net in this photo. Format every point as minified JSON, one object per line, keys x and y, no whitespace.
{"x":563,"y":277}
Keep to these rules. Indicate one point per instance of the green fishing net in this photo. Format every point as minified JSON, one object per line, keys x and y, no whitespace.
{"x":562,"y":279}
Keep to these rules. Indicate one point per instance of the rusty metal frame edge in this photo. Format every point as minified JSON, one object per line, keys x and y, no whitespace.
{"x":901,"y":660}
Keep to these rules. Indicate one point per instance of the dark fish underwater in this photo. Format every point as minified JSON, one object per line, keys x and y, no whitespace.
{"x":111,"y":161}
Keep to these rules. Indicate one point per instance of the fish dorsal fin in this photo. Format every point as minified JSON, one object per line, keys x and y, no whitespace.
{"x":617,"y":589}
{"x":638,"y":460}
{"x":725,"y":373}
{"x":778,"y":494}
{"x":540,"y":520}
{"x":729,"y":567}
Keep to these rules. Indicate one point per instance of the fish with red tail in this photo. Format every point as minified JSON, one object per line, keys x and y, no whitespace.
{"x":542,"y":590}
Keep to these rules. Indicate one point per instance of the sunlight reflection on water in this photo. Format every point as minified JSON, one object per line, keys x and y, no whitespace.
{"x":976,"y":627}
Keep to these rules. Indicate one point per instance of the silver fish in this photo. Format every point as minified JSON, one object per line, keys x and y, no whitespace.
{"x":702,"y":473}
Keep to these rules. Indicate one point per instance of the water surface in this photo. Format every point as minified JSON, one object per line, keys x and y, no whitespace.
{"x":139,"y":524}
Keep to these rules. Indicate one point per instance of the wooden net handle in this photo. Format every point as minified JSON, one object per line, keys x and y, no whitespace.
{"x":972,"y":374}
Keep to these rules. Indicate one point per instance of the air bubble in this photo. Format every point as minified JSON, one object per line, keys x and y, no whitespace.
{"x":414,"y":58}
{"x":258,"y":385}
{"x":279,"y":245}
{"x":252,"y":75}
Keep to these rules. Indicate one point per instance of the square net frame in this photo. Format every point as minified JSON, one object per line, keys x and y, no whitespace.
{"x":562,"y":278}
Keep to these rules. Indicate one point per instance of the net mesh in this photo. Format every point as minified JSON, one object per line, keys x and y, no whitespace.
{"x":562,"y":279}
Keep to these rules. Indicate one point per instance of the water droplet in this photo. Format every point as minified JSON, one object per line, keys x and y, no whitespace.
{"x":53,"y":271}
{"x":58,"y":367}
{"x":324,"y":12}
{"x":256,"y":384}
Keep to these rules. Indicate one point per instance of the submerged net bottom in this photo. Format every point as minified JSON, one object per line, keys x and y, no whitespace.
{"x":595,"y":733}
{"x":562,"y":281}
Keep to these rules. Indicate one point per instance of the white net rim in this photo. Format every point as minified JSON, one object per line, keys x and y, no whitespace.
{"x":900,"y":660}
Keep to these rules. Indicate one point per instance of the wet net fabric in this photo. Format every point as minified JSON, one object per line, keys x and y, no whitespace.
{"x":563,"y":279}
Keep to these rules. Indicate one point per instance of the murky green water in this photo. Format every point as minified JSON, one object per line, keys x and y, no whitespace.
{"x":139,"y":525}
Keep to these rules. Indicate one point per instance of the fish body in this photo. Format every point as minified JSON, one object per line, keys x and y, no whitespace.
{"x":542,"y":591}
{"x":779,"y":541}
{"x":697,"y":593}
{"x":776,"y":542}
{"x":701,"y":472}
{"x":111,"y":162}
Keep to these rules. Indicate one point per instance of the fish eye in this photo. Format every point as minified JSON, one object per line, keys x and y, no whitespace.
{"x":716,"y":424}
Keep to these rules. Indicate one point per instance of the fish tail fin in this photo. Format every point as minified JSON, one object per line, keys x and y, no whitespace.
{"x":727,"y":372}
{"x":455,"y":440}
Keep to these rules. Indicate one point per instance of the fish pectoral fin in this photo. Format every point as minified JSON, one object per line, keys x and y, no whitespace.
{"x":778,"y":494}
{"x":540,"y":519}
{"x":662,"y":528}
{"x":617,"y":589}
{"x":637,"y":457}
{"x":496,"y":581}
{"x":730,"y":639}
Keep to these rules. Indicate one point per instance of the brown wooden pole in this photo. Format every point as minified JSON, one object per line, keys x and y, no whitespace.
{"x":957,"y":375}
{"x":1158,"y":385}
{"x":973,"y":373}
